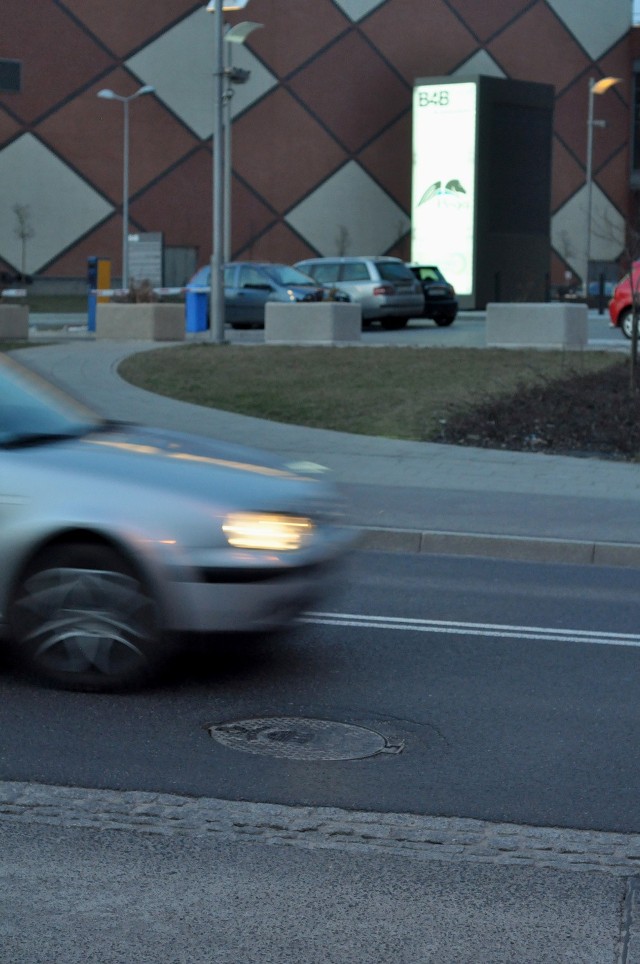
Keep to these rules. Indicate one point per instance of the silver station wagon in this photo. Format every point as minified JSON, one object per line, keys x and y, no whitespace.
{"x":115,"y":539}
{"x":384,"y":287}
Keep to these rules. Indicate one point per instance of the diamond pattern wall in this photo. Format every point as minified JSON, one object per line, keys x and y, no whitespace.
{"x":322,"y":130}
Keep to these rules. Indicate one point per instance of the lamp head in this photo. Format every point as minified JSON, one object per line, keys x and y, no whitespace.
{"x":604,"y":84}
{"x":111,"y":94}
{"x":227,"y":5}
{"x":240,"y":31}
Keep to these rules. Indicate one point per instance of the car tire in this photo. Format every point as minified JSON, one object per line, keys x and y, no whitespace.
{"x":394,"y":324}
{"x":443,"y":321}
{"x":625,"y":322}
{"x":82,"y":619}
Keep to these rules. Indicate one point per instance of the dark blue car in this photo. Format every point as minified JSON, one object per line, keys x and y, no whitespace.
{"x":249,"y":285}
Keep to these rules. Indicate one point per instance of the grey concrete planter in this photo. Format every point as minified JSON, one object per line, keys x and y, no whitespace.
{"x":312,"y":323}
{"x":545,"y":325}
{"x":140,"y":322}
{"x":14,"y":322}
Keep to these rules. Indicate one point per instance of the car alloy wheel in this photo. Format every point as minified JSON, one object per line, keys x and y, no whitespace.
{"x":626,"y":323}
{"x":81,"y":619}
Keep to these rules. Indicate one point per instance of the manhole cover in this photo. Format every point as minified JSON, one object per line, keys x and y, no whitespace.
{"x":302,"y":739}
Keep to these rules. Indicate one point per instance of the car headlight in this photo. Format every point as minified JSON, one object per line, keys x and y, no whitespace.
{"x":258,"y":530}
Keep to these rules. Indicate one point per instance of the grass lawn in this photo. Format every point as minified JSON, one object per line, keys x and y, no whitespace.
{"x":51,"y":304}
{"x":14,"y":345}
{"x":403,"y":393}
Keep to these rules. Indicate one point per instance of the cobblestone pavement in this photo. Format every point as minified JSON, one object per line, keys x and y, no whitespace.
{"x":428,"y":838}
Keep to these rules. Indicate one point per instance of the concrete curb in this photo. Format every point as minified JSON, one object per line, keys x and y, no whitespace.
{"x":421,"y":837}
{"x":511,"y":548}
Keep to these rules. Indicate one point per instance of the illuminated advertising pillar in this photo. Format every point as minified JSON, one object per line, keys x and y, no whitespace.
{"x":443,"y":186}
{"x":481,"y":185}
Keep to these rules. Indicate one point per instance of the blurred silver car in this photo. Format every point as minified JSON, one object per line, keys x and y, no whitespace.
{"x":114,"y":538}
{"x":384,"y":287}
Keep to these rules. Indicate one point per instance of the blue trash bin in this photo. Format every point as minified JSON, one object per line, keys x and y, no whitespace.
{"x":92,"y":307}
{"x":197,"y":309}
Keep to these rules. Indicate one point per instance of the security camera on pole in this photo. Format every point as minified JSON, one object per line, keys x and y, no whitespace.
{"x":235,"y":75}
{"x":216,"y":310}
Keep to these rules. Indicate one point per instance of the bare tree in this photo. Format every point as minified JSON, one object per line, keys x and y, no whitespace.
{"x":342,"y":240}
{"x":23,"y":230}
{"x":627,"y":238}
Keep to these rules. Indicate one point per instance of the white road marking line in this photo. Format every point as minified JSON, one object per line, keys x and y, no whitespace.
{"x":494,"y":630}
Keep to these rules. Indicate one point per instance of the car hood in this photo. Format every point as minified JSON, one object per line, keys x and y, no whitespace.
{"x":158,"y":460}
{"x":301,"y":291}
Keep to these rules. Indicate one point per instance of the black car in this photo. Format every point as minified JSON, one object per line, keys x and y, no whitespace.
{"x":440,"y":302}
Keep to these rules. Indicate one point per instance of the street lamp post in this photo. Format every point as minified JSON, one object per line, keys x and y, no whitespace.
{"x":234,"y":35}
{"x":216,"y":304}
{"x":125,"y":101}
{"x":595,"y":87}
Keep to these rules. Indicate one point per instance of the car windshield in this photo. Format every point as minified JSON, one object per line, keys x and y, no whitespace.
{"x":428,"y":273}
{"x":284,"y":275}
{"x":201,"y":278}
{"x":394,"y":271}
{"x":32,"y":411}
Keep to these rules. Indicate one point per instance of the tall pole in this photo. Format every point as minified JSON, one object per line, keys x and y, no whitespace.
{"x":227,"y":164}
{"x":125,"y":197}
{"x":589,"y":187}
{"x":216,"y":307}
{"x":595,"y":87}
{"x":125,"y":101}
{"x":216,"y":302}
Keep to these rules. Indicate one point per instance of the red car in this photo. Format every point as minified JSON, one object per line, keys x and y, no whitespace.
{"x":621,"y":304}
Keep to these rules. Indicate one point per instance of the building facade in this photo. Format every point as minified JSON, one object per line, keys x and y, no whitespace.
{"x":321,"y":130}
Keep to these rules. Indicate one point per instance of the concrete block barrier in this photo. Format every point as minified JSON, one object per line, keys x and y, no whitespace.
{"x":546,"y":325}
{"x":140,"y":322}
{"x":14,"y":322}
{"x":312,"y":323}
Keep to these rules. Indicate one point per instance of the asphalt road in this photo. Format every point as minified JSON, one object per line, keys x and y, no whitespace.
{"x":443,"y":686}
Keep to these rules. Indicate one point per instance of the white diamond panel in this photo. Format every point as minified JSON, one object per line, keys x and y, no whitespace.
{"x":62,"y":207}
{"x":357,"y":9}
{"x":569,"y":230}
{"x":179,"y":64}
{"x":349,"y":214}
{"x":481,"y":64}
{"x":597,"y":25}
